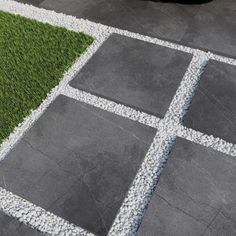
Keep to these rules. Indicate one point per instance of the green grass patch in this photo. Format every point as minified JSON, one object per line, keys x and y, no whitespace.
{"x":33,"y":59}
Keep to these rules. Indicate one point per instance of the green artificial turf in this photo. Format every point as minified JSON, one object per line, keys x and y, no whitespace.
{"x":33,"y":59}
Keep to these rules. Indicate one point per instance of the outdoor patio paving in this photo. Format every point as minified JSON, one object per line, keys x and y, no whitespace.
{"x":79,"y":161}
{"x":195,"y":194}
{"x":209,"y":26}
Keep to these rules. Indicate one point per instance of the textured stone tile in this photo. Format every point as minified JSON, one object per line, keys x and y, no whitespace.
{"x":195,"y":194}
{"x":213,"y":28}
{"x":77,"y":162}
{"x":133,"y":72}
{"x":12,"y":227}
{"x":213,"y":109}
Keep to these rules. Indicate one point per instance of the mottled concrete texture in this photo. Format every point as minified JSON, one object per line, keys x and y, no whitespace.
{"x":77,"y":162}
{"x":133,"y":72}
{"x":210,"y":26}
{"x":12,"y":227}
{"x":213,"y":109}
{"x":196,"y":194}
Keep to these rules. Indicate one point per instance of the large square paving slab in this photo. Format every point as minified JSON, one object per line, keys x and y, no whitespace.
{"x":213,"y":109}
{"x":78,"y":162}
{"x":136,"y":73}
{"x":196,"y":194}
{"x":12,"y":227}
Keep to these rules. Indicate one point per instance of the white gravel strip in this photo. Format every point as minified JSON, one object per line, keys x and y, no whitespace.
{"x":186,"y":90}
{"x":111,"y":106}
{"x":52,"y":18}
{"x":131,"y":212}
{"x":133,"y":207}
{"x":207,"y":140}
{"x":37,"y":217}
{"x":219,"y":58}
